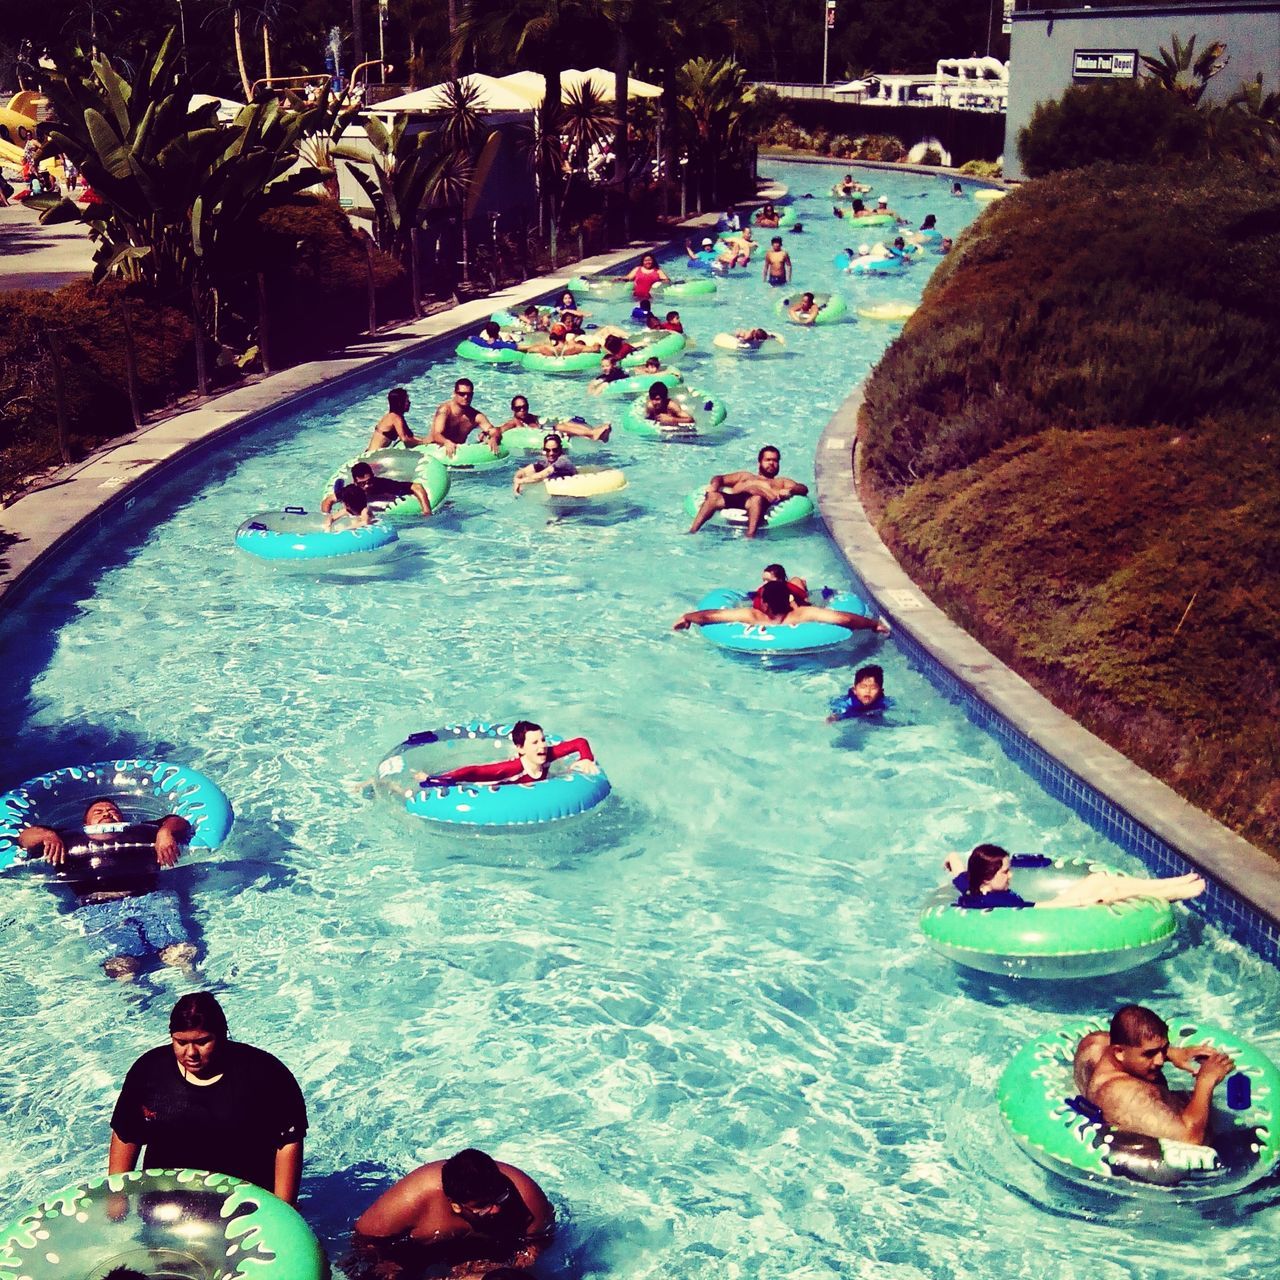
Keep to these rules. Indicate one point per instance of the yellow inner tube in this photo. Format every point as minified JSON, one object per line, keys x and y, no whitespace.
{"x":887,"y":310}
{"x":588,"y":484}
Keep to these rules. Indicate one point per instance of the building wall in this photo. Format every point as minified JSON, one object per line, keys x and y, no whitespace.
{"x":1043,"y":44}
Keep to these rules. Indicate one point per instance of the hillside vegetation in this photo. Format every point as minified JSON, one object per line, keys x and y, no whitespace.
{"x":1075,"y":448}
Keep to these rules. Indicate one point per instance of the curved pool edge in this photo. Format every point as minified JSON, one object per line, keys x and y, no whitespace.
{"x":1143,"y":815}
{"x":82,"y":498}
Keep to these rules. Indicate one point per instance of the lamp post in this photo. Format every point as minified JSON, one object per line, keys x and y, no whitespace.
{"x":382,"y":36}
{"x":828,"y":23}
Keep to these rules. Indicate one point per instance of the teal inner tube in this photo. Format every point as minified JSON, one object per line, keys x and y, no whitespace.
{"x":582,"y":362}
{"x":598,"y":287}
{"x":407,"y":466}
{"x":639,"y":383}
{"x":474,"y":455}
{"x":707,"y":415}
{"x":146,"y":790}
{"x":176,"y":1225}
{"x":787,"y":217}
{"x":685,"y":291}
{"x":802,"y":638}
{"x":833,"y":308}
{"x":529,"y":439}
{"x":298,"y":534}
{"x":1038,"y":1099}
{"x":1049,"y":942}
{"x":473,"y":351}
{"x":794,"y":510}
{"x":662,"y":343}
{"x":568,"y":791}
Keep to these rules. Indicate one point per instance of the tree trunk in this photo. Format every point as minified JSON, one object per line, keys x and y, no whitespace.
{"x":202,"y":367}
{"x":357,"y":34}
{"x":453,"y":39}
{"x":130,"y":362}
{"x":264,"y":327}
{"x":59,"y":395}
{"x":621,"y":140}
{"x":373,"y":287}
{"x":266,"y":50}
{"x":553,"y":178}
{"x":415,"y":272}
{"x":240,"y":62}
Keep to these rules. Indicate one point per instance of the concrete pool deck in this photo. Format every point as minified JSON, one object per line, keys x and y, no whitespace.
{"x":1248,"y":873}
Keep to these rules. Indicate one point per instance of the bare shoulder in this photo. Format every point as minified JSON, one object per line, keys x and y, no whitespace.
{"x":1138,"y":1106}
{"x":1092,"y":1047}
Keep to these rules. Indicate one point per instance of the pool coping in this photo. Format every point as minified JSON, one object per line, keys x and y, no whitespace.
{"x":1144,"y":815}
{"x":82,"y":495}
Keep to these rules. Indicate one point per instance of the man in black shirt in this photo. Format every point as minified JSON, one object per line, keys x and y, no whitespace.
{"x":207,"y":1102}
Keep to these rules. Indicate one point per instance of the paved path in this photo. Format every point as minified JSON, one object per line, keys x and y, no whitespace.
{"x":36,"y":257}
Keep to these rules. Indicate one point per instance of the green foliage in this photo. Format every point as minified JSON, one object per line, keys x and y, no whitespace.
{"x":1177,"y":70}
{"x":983,"y":168}
{"x":1077,"y":449}
{"x":714,"y":118}
{"x":1124,"y":121}
{"x":89,"y":325}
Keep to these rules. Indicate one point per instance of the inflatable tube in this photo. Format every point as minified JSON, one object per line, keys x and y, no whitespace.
{"x":525,"y":439}
{"x":475,"y":455}
{"x":787,"y":217}
{"x":893,"y":266}
{"x":1049,"y":942}
{"x":145,"y":790}
{"x":872,"y":220}
{"x":565,"y":793}
{"x":662,"y":343}
{"x":176,"y":1225}
{"x":580,"y":362}
{"x":794,"y":510}
{"x":590,"y":482}
{"x":707,"y":415}
{"x":727,"y":344}
{"x":985,"y":195}
{"x":639,"y":383}
{"x":1067,"y":1135}
{"x":685,"y":291}
{"x":407,"y":466}
{"x":833,"y":307}
{"x":597,"y":287}
{"x":297,"y":534}
{"x":506,"y":320}
{"x":889,"y":311}
{"x":473,"y":351}
{"x":804,"y":637}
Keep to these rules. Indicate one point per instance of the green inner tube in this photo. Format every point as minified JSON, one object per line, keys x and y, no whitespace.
{"x":403,"y":465}
{"x":639,"y":383}
{"x":472,"y":456}
{"x":468,"y":350}
{"x":794,"y":510}
{"x":582,"y":362}
{"x":597,"y":287}
{"x":1037,"y":1088}
{"x":655,"y":342}
{"x":707,"y":415}
{"x":833,"y":307}
{"x":178,"y":1223}
{"x":873,"y":220}
{"x":684,"y":290}
{"x":1049,"y":942}
{"x":787,"y":217}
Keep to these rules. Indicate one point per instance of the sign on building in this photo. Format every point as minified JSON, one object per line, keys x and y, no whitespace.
{"x":1104,"y":64}
{"x":1006,"y":23}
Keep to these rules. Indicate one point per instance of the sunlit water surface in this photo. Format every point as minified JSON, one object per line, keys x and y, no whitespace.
{"x":701,"y":1017}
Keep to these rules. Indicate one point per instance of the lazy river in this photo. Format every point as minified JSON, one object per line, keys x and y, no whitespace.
{"x":701,"y":1016}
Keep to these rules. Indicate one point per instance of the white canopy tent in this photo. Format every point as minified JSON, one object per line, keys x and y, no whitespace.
{"x":601,"y":81}
{"x":492,"y":94}
{"x":228,"y":108}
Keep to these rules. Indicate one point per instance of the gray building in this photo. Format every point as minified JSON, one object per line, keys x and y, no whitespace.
{"x":1054,"y":45}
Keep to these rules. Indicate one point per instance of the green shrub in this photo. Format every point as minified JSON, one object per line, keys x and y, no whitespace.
{"x":1123,"y":121}
{"x":932,"y":156}
{"x":983,"y":168}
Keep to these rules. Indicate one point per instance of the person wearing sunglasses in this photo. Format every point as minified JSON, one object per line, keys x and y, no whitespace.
{"x":379,"y":491}
{"x":457,"y":418}
{"x":523,"y":416}
{"x":553,"y":465}
{"x":469,"y":1208}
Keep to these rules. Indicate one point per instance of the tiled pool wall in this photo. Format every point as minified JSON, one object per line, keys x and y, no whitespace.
{"x":1217,"y":904}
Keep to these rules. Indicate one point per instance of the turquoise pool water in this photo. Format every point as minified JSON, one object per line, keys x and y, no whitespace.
{"x":702,"y":1017}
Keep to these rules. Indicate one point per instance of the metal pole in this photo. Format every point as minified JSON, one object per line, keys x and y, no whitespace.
{"x":826,"y":39}
{"x":382,"y":37}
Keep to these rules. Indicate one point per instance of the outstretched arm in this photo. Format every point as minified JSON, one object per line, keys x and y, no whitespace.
{"x":700,"y":617}
{"x":839,"y":618}
{"x":47,"y":840}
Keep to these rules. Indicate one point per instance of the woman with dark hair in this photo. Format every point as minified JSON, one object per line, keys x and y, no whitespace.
{"x":989,"y":873}
{"x":204,"y":1101}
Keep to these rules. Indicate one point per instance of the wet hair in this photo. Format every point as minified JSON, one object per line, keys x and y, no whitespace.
{"x":870,"y":672}
{"x":1133,"y":1023}
{"x":858,"y":206}
{"x":984,"y":862}
{"x":776,"y":598}
{"x":649,"y":257}
{"x":930,"y":221}
{"x":361,"y":469}
{"x":552,"y":438}
{"x":397,"y":399}
{"x":471,"y":1176}
{"x":97,"y":800}
{"x":464,"y":382}
{"x":490,"y":330}
{"x":672,"y":315}
{"x":658,"y":391}
{"x":611,"y":344}
{"x":808,"y":297}
{"x":899,"y":242}
{"x":653,"y":360}
{"x":769,"y":448}
{"x":519,"y":731}
{"x":198,"y":1011}
{"x":530,"y":310}
{"x":352,"y":497}
{"x":777,"y":240}
{"x":519,"y":395}
{"x":777,"y":570}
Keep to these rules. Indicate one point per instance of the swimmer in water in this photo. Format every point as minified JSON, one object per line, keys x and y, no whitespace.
{"x":778,"y":609}
{"x":393,"y":426}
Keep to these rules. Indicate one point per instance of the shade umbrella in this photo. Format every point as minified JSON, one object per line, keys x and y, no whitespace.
{"x":492,"y":94}
{"x":601,"y":81}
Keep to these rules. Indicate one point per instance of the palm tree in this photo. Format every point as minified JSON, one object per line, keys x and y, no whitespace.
{"x":1179,"y":71}
{"x":714,"y":111}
